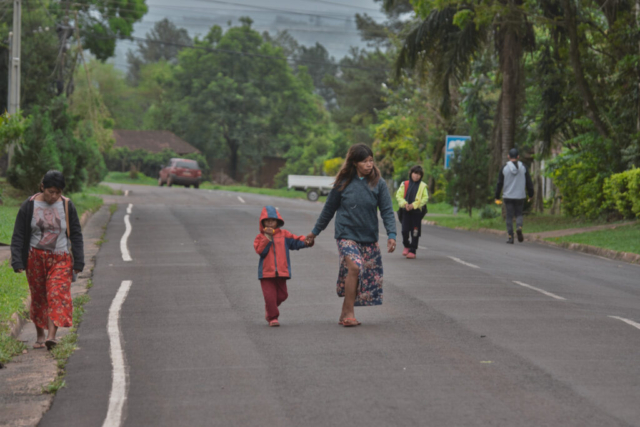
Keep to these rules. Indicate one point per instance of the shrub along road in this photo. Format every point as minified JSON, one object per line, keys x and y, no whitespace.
{"x":472,"y":332}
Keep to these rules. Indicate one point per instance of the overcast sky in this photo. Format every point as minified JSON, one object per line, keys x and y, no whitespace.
{"x":329,"y":22}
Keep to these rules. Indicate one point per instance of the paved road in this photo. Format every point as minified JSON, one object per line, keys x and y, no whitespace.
{"x":452,"y":345}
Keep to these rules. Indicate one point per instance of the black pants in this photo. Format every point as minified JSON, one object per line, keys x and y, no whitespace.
{"x":413,"y":244}
{"x":514,"y":207}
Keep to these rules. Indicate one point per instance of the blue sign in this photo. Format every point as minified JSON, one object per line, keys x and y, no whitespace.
{"x":453,"y":142}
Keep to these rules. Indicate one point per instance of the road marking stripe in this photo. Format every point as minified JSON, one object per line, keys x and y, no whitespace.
{"x":462,"y":262}
{"x":241,"y":199}
{"x":539,"y":290}
{"x":118,"y":395}
{"x":421,"y":247}
{"x":627,"y":321}
{"x":123,"y":241}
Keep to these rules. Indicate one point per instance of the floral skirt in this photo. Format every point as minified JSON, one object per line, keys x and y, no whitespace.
{"x":49,"y":276}
{"x":368,"y":259}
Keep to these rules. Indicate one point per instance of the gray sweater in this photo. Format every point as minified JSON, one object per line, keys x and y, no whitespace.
{"x":357,"y":212}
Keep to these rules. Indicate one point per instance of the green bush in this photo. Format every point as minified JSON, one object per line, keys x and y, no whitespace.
{"x":580,"y":177}
{"x":49,"y":143}
{"x":622,"y":193}
{"x":122,"y":159}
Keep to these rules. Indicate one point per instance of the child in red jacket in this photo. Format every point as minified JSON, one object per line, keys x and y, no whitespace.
{"x":273,"y":245}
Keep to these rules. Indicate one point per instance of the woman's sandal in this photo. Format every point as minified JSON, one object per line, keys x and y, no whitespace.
{"x":349,"y":321}
{"x":38,"y":345}
{"x":51,"y":344}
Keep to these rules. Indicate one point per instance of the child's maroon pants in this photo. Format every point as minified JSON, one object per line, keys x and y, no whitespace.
{"x":275,"y":292}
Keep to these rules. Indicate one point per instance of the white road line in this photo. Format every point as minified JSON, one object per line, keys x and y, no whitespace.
{"x":129,"y":208}
{"x":539,"y":290}
{"x":241,"y":199}
{"x":627,"y":321}
{"x":123,"y":241}
{"x":421,"y":247}
{"x":462,"y":262}
{"x":118,"y":395}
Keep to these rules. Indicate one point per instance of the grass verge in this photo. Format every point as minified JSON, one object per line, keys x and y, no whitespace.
{"x":125,"y":178}
{"x":533,"y":223}
{"x":67,"y":345}
{"x":13,"y":290}
{"x":103,"y":189}
{"x":623,"y":239}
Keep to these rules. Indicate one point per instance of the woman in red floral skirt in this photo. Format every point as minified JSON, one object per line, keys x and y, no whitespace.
{"x":47,"y":244}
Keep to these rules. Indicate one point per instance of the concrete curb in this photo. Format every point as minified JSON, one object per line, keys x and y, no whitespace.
{"x":21,"y":318}
{"x":576,"y":247}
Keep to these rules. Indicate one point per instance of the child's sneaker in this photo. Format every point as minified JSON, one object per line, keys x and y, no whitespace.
{"x":274,"y":322}
{"x":411,"y":255}
{"x":405,"y":252}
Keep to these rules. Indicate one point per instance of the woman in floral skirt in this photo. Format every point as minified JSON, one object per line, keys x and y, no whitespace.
{"x":358,"y":192}
{"x":47,"y":244}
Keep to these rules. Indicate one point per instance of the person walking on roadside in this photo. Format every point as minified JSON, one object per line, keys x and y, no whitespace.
{"x":412,"y":197}
{"x":274,"y":269}
{"x":46,"y":226}
{"x":514,"y":178}
{"x":358,"y":192}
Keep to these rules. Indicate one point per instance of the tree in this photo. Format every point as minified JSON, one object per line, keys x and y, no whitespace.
{"x":50,"y":143}
{"x":453,"y":35}
{"x":359,"y":92}
{"x":163,"y":43}
{"x":102,"y":23}
{"x":235,"y":97}
{"x":469,"y":170}
{"x":319,"y":65}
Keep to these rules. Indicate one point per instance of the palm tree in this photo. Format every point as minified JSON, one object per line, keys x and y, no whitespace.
{"x":443,"y":51}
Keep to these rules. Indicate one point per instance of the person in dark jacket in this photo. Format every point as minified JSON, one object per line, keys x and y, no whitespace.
{"x":46,"y":227}
{"x":412,"y":197}
{"x":273,"y":245}
{"x":357,"y":194}
{"x":516,"y":182}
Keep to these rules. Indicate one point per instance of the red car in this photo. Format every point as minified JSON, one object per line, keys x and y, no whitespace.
{"x":182,"y":172}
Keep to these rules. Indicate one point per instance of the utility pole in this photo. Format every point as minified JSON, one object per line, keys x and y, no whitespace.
{"x":14,"y":65}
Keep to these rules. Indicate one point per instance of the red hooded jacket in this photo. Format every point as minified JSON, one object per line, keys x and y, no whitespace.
{"x":274,"y":256}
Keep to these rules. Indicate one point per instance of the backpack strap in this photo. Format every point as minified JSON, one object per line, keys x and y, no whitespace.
{"x":66,"y":217}
{"x":406,"y":187}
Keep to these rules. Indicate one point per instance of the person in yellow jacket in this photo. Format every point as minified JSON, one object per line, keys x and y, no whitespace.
{"x":412,"y":197}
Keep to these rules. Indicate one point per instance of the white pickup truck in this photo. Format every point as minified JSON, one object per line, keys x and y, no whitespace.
{"x":315,"y":186}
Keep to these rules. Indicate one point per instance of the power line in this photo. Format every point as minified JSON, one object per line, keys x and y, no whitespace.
{"x":343,"y":5}
{"x":250,"y":6}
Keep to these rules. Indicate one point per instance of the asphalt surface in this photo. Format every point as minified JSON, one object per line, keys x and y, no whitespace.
{"x":452,"y":345}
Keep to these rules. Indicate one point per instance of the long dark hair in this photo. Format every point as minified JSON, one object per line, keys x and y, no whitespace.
{"x":348,"y":171}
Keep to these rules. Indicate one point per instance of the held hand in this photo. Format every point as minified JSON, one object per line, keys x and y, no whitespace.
{"x":409,"y":207}
{"x":391,"y":245}
{"x":77,"y":271}
{"x":310,"y":240}
{"x":20,"y":271}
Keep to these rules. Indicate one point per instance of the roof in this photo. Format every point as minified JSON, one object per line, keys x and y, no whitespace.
{"x":154,"y":141}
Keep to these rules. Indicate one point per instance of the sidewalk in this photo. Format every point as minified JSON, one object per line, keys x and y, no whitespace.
{"x":21,"y":398}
